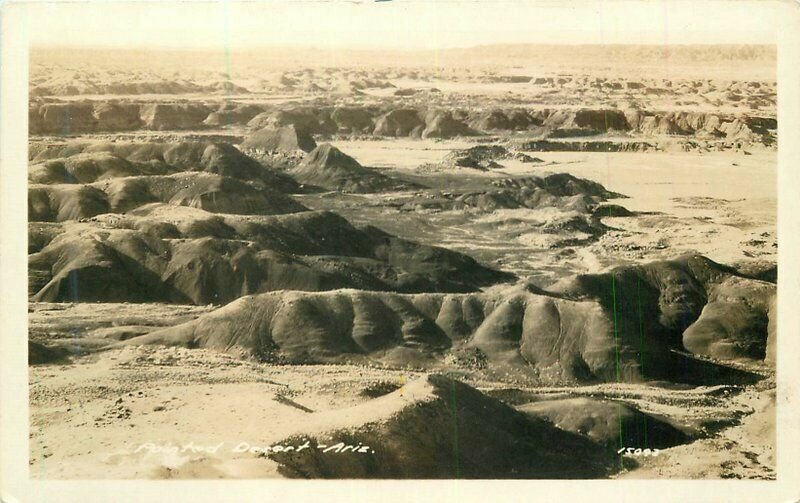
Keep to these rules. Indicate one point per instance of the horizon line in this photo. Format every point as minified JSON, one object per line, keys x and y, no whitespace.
{"x":36,"y":46}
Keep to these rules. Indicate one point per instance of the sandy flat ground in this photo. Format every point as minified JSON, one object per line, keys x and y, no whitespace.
{"x":720,"y":204}
{"x":149,"y":412}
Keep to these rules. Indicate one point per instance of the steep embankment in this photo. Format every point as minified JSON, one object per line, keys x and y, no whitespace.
{"x":165,"y":253}
{"x":400,"y":120}
{"x":90,"y":161}
{"x":627,"y":331}
{"x":437,"y":427}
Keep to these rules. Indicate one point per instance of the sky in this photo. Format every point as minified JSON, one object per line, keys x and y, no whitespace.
{"x":396,"y":24}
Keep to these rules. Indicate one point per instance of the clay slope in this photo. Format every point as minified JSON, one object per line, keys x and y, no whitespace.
{"x":588,"y":146}
{"x":329,"y":168}
{"x":443,"y":124}
{"x":483,"y":157}
{"x":213,"y":193}
{"x":89,"y":167}
{"x":399,"y":122}
{"x":287,"y":140}
{"x":628,"y":335}
{"x":611,"y":424}
{"x":232,"y":113}
{"x":504,"y":120}
{"x":164,"y":253}
{"x":424,"y":120}
{"x":314,"y":121}
{"x":585,"y":122}
{"x":437,"y":427}
{"x":691,"y":302}
{"x":577,"y":197}
{"x":128,"y":158}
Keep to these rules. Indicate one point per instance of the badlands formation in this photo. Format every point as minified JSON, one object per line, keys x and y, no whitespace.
{"x":518,"y":268}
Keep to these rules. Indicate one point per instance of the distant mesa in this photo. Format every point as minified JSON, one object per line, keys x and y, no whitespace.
{"x":117,"y":116}
{"x":84,"y":84}
{"x":62,"y":118}
{"x":589,"y":145}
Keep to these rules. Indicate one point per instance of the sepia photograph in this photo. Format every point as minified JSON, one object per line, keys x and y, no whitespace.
{"x":400,"y":240}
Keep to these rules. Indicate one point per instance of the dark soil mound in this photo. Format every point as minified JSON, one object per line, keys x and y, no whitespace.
{"x":757,"y":269}
{"x":564,"y":184}
{"x":117,"y":116}
{"x":612,"y":210}
{"x":329,"y":168}
{"x":302,"y":118}
{"x":535,"y":335}
{"x":553,"y":191}
{"x":213,"y":193}
{"x":167,"y":116}
{"x":39,"y":354}
{"x":481,"y":157}
{"x":41,"y":233}
{"x":735,"y":321}
{"x":586,"y":122}
{"x":287,"y":140}
{"x":353,"y":119}
{"x":58,"y":203}
{"x":398,"y":122}
{"x":137,"y":259}
{"x":61,"y":118}
{"x":232,"y":113}
{"x":690,"y":302}
{"x":155,"y":158}
{"x":83,"y":168}
{"x":442,"y":124}
{"x":613,"y":425}
{"x":440,"y":428}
